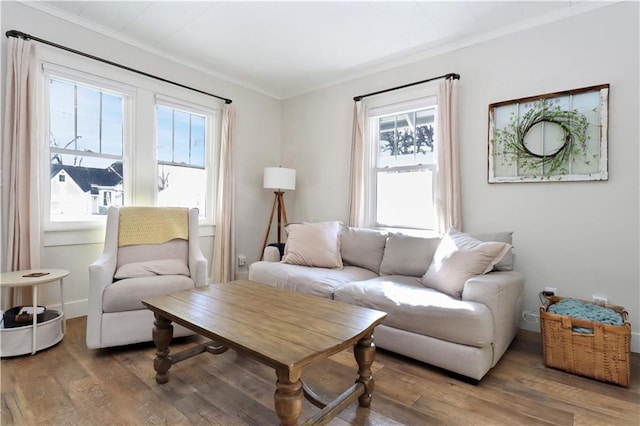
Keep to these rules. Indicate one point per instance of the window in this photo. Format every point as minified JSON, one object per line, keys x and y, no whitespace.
{"x":182,"y":145}
{"x":402,"y":141}
{"x":115,"y":139}
{"x":86,"y":137}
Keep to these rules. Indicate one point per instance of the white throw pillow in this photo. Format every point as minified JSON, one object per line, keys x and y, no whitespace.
{"x":460,"y":257}
{"x":313,"y":244}
{"x":152,"y":268}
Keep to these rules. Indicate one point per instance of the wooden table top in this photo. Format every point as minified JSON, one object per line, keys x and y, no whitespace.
{"x":280,"y":327}
{"x":18,"y":279}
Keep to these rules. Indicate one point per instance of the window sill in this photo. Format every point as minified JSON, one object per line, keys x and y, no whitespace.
{"x":423,"y":233}
{"x":93,"y":234}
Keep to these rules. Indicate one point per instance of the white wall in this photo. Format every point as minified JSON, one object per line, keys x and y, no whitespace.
{"x":256,"y":139}
{"x":580,"y":237}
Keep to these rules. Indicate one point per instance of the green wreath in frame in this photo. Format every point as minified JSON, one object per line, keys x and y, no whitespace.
{"x":574,"y":127}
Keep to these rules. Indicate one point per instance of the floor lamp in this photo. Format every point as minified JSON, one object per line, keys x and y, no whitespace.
{"x":279,"y":179}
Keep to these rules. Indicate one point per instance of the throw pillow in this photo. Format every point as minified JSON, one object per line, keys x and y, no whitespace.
{"x":362,"y":247}
{"x":152,"y":268}
{"x":460,"y":257}
{"x":313,"y":244}
{"x":406,"y":255}
{"x":506,"y":264}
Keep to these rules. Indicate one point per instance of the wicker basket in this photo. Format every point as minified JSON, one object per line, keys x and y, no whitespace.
{"x":603,"y":355}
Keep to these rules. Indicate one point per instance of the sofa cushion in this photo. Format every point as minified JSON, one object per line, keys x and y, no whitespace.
{"x":412,"y":307}
{"x":127,"y":294}
{"x":313,"y":244}
{"x":405,"y":255}
{"x":304,"y":279}
{"x":506,"y":263}
{"x":362,"y":247}
{"x":458,"y":258}
{"x":174,"y":249}
{"x":151,"y":268}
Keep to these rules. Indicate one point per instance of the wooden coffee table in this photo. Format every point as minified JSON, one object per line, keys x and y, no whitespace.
{"x":282,"y":329}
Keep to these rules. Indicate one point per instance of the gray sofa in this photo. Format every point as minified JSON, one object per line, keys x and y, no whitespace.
{"x":466,"y":335}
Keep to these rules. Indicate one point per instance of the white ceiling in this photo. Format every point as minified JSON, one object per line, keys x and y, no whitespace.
{"x":287,"y":48}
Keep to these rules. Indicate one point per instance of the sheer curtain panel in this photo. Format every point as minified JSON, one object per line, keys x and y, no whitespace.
{"x":356,"y":175}
{"x":448,"y":187}
{"x":222,"y":265}
{"x":20,"y":167}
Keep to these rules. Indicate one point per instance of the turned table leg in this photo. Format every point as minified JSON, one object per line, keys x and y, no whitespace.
{"x":364,"y":352}
{"x":162,"y":334}
{"x":288,"y":397}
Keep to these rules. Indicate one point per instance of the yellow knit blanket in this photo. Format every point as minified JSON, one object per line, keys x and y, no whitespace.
{"x":152,"y":225}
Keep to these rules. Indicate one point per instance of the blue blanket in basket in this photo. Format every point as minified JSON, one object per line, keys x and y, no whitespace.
{"x":586,"y":311}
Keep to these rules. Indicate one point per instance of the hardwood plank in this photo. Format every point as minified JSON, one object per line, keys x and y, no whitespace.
{"x":117,"y":386}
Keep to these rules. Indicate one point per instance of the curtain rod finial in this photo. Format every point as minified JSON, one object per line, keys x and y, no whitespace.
{"x":18,"y":34}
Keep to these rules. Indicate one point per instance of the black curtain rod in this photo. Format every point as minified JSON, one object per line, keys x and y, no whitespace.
{"x":450,"y":75}
{"x":20,"y":34}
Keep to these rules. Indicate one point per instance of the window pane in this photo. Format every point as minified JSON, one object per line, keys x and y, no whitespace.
{"x":181,"y":134}
{"x":83,"y":118}
{"x":197,"y":140}
{"x":405,"y":199}
{"x":387,"y":147}
{"x":83,"y":187}
{"x":88,"y":116}
{"x":112,"y":127}
{"x":406,"y":139}
{"x":61,"y":114}
{"x":181,"y":187}
{"x":165,"y":133}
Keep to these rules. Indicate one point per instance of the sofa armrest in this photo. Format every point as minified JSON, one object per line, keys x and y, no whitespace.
{"x":201,"y":266}
{"x":271,"y":254}
{"x":502,"y":293}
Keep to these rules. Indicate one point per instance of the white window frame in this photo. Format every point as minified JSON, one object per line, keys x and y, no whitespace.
{"x":140,"y":168}
{"x":100,"y":83}
{"x":212,"y":132}
{"x":394,"y":104}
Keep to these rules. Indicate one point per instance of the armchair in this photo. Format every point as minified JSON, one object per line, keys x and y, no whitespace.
{"x":145,"y":262}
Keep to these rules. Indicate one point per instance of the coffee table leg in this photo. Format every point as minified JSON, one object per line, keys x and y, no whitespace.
{"x":162,"y":334}
{"x":364,"y":352}
{"x":288,"y":397}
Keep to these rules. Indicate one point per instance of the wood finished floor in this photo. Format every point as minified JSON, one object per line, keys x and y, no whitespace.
{"x":69,"y":384}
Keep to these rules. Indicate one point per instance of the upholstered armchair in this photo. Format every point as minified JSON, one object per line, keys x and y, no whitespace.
{"x":148,"y":251}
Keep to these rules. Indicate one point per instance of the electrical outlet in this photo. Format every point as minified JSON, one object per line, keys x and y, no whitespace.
{"x":242,"y":260}
{"x":599,"y":299}
{"x":551,"y":291}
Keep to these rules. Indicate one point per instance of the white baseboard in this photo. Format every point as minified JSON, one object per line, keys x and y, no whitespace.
{"x":74,"y":309}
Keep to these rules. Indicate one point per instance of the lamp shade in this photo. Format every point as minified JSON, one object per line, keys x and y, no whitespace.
{"x":279,"y":178}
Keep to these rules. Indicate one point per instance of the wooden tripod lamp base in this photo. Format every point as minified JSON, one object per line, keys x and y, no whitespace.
{"x":278,"y":206}
{"x":278,"y":179}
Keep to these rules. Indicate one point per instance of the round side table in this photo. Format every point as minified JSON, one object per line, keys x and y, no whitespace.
{"x":34,"y":278}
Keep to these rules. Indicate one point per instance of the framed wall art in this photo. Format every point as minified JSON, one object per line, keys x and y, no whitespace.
{"x":553,"y":137}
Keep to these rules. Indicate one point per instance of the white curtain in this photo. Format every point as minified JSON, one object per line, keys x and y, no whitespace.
{"x":223,"y":265}
{"x":448,"y":187}
{"x":356,"y":175}
{"x":21,"y":167}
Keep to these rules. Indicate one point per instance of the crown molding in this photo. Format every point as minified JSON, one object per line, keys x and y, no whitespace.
{"x":425,"y":52}
{"x":92,"y":26}
{"x":363,"y":70}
